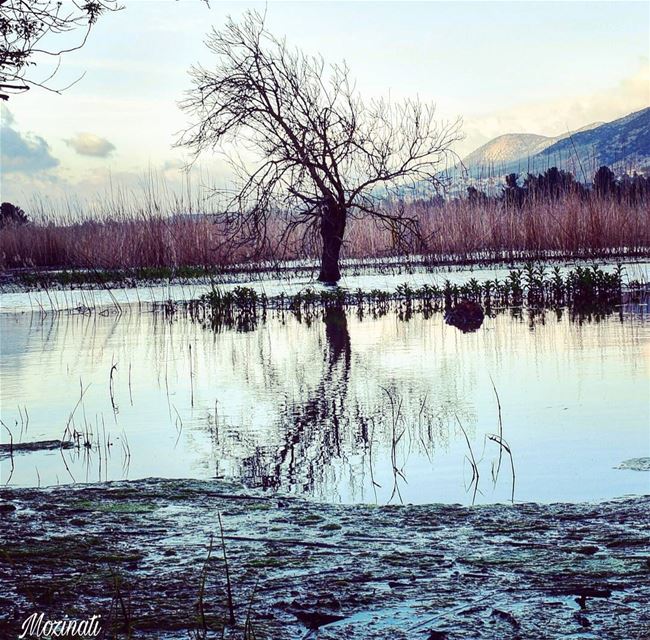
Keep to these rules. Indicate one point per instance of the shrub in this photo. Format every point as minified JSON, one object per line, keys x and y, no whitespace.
{"x":11,"y":215}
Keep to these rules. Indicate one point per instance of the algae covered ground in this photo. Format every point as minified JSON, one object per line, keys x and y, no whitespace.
{"x":148,"y":556}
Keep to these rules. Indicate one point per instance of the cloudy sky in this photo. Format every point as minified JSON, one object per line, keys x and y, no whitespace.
{"x":532,"y":67}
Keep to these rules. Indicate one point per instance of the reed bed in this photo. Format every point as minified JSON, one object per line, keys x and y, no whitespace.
{"x":155,"y":232}
{"x":584,"y":290}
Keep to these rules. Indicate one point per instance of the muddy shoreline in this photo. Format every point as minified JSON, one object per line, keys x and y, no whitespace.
{"x":148,"y":556}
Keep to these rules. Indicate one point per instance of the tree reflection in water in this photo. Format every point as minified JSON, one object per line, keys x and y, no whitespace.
{"x":312,"y":428}
{"x":361,"y":428}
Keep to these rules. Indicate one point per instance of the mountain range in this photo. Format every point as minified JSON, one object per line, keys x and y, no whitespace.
{"x":622,"y":144}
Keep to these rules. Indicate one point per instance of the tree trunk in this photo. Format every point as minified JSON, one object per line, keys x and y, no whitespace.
{"x":332,"y":228}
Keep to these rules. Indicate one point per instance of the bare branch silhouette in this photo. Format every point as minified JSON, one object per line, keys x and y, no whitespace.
{"x":322,"y":155}
{"x":27,"y":27}
{"x":31,"y":27}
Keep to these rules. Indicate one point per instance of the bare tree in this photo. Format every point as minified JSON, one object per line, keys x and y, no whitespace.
{"x":27,"y":27}
{"x":322,"y":154}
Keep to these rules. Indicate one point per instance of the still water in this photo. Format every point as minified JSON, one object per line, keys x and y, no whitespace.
{"x":335,"y":407}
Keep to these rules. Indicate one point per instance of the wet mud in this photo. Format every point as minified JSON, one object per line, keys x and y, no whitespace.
{"x":148,"y":556}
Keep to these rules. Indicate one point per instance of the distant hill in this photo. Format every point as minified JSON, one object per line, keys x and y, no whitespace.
{"x":507,"y":148}
{"x":512,"y":148}
{"x":621,"y":144}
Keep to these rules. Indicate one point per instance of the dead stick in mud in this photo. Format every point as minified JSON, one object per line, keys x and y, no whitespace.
{"x":204,"y":574}
{"x":249,"y":631}
{"x":231,"y":608}
{"x":120,"y":599}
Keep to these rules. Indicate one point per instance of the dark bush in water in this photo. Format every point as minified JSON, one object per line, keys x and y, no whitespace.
{"x":466,"y":316}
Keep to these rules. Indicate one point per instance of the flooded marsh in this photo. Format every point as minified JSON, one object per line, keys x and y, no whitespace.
{"x":335,"y":405}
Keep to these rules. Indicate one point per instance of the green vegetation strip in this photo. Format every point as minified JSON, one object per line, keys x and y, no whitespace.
{"x":533,"y":286}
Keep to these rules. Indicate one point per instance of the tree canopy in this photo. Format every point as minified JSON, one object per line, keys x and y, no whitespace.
{"x":321,"y":154}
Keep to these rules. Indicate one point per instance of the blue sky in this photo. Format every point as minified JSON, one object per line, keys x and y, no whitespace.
{"x":545,"y":67}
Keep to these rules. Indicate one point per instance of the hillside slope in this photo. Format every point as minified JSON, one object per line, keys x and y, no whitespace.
{"x":622,"y":144}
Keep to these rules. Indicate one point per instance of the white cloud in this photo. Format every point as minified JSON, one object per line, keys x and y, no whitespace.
{"x":88,"y":144}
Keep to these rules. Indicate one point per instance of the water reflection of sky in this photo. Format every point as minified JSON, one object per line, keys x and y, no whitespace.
{"x":337,"y":408}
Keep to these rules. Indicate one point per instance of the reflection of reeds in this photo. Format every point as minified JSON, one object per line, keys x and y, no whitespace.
{"x":371,"y":437}
{"x":24,"y":420}
{"x":178,"y":424}
{"x":495,"y":474}
{"x":130,"y":392}
{"x":111,"y":388}
{"x":69,"y":431}
{"x":126,"y":455}
{"x":191,"y":379}
{"x":504,"y":445}
{"x":395,"y":438}
{"x":498,"y":438}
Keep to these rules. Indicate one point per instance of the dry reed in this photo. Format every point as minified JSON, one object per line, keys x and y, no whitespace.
{"x":144,"y":236}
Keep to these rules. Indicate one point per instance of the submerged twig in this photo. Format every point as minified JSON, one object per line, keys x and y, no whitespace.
{"x":504,"y":445}
{"x":472,"y":461}
{"x":496,"y":475}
